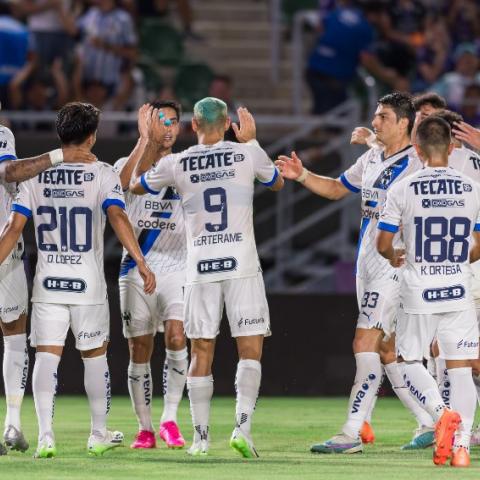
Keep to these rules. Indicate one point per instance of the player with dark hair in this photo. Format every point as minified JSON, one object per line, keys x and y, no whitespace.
{"x":438,"y":210}
{"x":159,"y":226}
{"x":378,"y":284}
{"x":69,"y":206}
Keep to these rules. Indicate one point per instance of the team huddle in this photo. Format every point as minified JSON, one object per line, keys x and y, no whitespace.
{"x":185,"y":221}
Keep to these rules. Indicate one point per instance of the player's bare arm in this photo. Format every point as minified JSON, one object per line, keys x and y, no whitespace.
{"x":396,"y":256}
{"x":24,"y":169}
{"x":468,"y":134}
{"x":293,"y":169}
{"x":10,"y":234}
{"x":127,"y":170}
{"x":475,"y":250}
{"x":123,"y":230}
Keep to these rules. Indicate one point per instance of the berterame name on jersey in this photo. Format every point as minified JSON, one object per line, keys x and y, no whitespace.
{"x":216,"y":185}
{"x":159,"y":227}
{"x":437,"y":209}
{"x":7,"y":190}
{"x":68,"y":204}
{"x":372,"y":175}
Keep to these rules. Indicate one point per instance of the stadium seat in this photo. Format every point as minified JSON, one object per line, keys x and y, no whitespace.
{"x":161,"y":43}
{"x":151,"y":77}
{"x":192,"y":83}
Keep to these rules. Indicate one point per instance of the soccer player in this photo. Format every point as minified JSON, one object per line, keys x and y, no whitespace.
{"x":159,"y":225}
{"x":69,"y":205}
{"x":215,"y":180}
{"x":13,"y":283}
{"x":378,"y":283}
{"x":438,"y":209}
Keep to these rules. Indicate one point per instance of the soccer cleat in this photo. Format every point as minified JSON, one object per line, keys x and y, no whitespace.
{"x":14,"y":439}
{"x":367,"y":434}
{"x":144,"y":439}
{"x":340,"y":443}
{"x":170,"y":434}
{"x":46,"y":448}
{"x":199,"y":448}
{"x":444,"y":434}
{"x":423,"y":437}
{"x":97,"y":446}
{"x":243,"y":444}
{"x":460,"y":457}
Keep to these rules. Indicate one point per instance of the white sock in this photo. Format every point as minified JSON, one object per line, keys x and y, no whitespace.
{"x":476,"y":381}
{"x":15,"y":372}
{"x":423,"y":388}
{"x":365,"y":386}
{"x":432,"y":367}
{"x":368,"y":418}
{"x":463,"y":400}
{"x":200,"y":391}
{"x":44,"y":384}
{"x":394,"y":373}
{"x":97,"y":386}
{"x":140,"y":387}
{"x":174,"y":378}
{"x":247,"y":385}
{"x":442,"y":380}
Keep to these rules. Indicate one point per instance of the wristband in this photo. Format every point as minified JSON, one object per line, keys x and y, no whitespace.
{"x":56,"y":156}
{"x":303,"y":176}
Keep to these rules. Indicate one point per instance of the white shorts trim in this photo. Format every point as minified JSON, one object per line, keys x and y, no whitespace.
{"x":90,"y":324}
{"x":455,"y":332}
{"x":145,"y":314}
{"x":13,"y":291}
{"x":245,"y":302}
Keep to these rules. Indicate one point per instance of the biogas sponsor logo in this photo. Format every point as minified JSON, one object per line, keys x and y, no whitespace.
{"x":443,"y":203}
{"x":211,"y":176}
{"x":62,"y":193}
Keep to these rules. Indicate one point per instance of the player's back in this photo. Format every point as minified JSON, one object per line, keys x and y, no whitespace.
{"x":216,"y":184}
{"x":68,"y":205}
{"x":440,"y":211}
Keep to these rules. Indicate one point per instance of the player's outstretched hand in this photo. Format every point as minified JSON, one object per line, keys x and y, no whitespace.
{"x":466,"y":133}
{"x":289,"y":167}
{"x":247,"y":129}
{"x":360,"y":135}
{"x":148,"y":277}
{"x":398,"y":258}
{"x":144,"y":116}
{"x":74,"y":154}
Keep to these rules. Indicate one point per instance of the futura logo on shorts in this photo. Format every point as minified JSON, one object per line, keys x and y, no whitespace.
{"x":466,"y":344}
{"x":367,"y":383}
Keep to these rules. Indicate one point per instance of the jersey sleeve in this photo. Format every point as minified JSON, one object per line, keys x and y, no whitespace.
{"x":352,"y":177}
{"x":159,"y":176}
{"x":264,"y":169}
{"x":391,"y":215}
{"x":7,"y":145}
{"x":22,"y":202}
{"x":111,"y":190}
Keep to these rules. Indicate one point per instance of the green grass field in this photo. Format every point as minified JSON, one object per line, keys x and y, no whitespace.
{"x":283,"y":430}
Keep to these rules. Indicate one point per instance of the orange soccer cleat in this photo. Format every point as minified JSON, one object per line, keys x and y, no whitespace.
{"x":444,"y":433}
{"x":460,"y":457}
{"x":367,"y":434}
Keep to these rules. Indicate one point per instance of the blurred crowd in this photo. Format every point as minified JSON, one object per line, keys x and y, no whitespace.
{"x":54,"y":51}
{"x":407,"y":45}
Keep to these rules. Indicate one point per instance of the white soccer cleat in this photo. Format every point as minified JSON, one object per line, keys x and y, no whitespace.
{"x":199,"y":448}
{"x":97,"y":446}
{"x":14,"y":439}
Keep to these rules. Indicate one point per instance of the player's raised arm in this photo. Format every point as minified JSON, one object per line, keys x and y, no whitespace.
{"x":123,"y":230}
{"x":468,"y":134}
{"x":475,"y":250}
{"x":11,"y":233}
{"x":293,"y":169}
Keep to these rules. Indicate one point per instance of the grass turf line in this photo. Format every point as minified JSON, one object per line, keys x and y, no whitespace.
{"x":284,"y":428}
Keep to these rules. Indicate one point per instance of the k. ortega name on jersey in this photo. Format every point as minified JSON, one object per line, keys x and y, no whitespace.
{"x":218,"y":238}
{"x":442,"y":186}
{"x":61,"y":176}
{"x":210,"y":160}
{"x":441,"y":270}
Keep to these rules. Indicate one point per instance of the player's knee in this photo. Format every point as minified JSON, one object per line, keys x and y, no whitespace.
{"x":140,"y":349}
{"x":175,"y":340}
{"x":387,"y":357}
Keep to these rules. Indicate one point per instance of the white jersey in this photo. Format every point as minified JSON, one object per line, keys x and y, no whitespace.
{"x":216,"y":183}
{"x":438,"y":209}
{"x":68,"y":204}
{"x":468,"y":162}
{"x":372,"y":175}
{"x":7,"y":190}
{"x":160,"y":229}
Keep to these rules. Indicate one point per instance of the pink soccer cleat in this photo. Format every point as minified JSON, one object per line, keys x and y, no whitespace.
{"x":170,"y":434}
{"x":144,"y":439}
